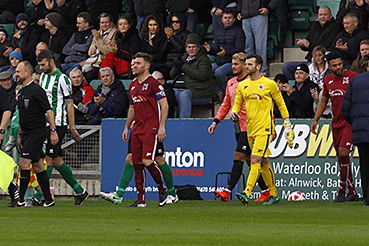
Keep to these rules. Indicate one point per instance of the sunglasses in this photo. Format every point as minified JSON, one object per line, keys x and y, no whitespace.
{"x":176,"y":21}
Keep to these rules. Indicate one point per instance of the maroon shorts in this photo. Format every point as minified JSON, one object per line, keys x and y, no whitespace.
{"x":143,"y":146}
{"x":342,"y":138}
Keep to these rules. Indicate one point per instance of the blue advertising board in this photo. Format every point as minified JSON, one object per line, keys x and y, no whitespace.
{"x":196,"y":157}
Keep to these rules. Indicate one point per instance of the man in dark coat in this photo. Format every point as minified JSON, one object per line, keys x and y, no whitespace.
{"x":355,"y":111}
{"x":110,"y":100}
{"x":299,"y":97}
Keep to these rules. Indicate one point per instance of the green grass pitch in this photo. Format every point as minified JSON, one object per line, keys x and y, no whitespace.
{"x":187,"y":223}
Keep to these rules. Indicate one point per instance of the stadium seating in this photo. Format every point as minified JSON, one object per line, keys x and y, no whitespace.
{"x":95,"y":83}
{"x":274,"y":30}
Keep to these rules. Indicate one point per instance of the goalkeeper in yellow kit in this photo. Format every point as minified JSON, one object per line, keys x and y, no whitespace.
{"x":259,"y":94}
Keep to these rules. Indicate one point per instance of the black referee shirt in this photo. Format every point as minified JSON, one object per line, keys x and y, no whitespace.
{"x":4,"y":103}
{"x":32,"y":106}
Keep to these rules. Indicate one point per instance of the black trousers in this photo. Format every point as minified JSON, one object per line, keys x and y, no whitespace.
{"x":364,"y":168}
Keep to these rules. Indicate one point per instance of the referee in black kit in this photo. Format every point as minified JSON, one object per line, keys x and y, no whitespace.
{"x":34,"y":109}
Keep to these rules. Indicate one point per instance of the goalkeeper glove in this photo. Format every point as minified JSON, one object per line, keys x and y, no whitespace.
{"x":290,"y":135}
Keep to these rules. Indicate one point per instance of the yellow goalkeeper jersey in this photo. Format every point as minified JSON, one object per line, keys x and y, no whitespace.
{"x":259,"y":97}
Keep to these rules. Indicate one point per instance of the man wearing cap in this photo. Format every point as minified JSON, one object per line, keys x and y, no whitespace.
{"x":334,"y":90}
{"x":193,"y":77}
{"x":26,"y":37}
{"x":55,"y":36}
{"x":300,"y":99}
{"x":8,"y":86}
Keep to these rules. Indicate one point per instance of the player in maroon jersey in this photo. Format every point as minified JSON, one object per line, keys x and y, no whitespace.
{"x":149,"y":110}
{"x":334,"y":89}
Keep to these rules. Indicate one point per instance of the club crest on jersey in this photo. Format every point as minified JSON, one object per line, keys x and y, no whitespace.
{"x":145,"y":87}
{"x":345,"y":80}
{"x":138,"y":99}
{"x":336,"y":93}
{"x":255,"y":96}
{"x":261,"y":87}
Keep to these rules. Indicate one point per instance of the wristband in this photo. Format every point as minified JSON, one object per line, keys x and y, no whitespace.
{"x":53,"y":129}
{"x":2,"y":131}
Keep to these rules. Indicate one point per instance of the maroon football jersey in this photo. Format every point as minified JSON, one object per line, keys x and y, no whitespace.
{"x":335,"y":88}
{"x":144,"y":97}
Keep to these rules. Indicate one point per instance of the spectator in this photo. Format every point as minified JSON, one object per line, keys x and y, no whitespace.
{"x":228,"y":40}
{"x":318,"y":66}
{"x":55,"y":37}
{"x":8,"y":86}
{"x":176,"y":38}
{"x":317,"y":70}
{"x":154,"y":43}
{"x":5,"y":49}
{"x":69,"y":10}
{"x":37,"y":14}
{"x":281,"y":80}
{"x":347,"y":42}
{"x":82,"y":95}
{"x":127,"y":43}
{"x":361,"y":63}
{"x":144,"y":8}
{"x":299,"y":96}
{"x":357,"y":7}
{"x":9,"y":9}
{"x":355,"y":111}
{"x":15,"y":57}
{"x":168,"y":89}
{"x":26,"y":37}
{"x":321,"y":32}
{"x":193,"y":78}
{"x":216,"y":12}
{"x":102,"y":38}
{"x":254,"y":15}
{"x":76,"y":49}
{"x":110,"y":100}
{"x":96,"y":7}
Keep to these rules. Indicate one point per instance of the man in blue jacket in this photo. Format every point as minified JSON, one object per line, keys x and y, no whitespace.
{"x":355,"y":111}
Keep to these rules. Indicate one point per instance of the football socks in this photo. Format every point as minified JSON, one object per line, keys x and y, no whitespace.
{"x":252,"y":178}
{"x":268,"y":176}
{"x":67,"y":175}
{"x":168,"y":178}
{"x":156,"y":175}
{"x":235,"y":174}
{"x":43,"y":181}
{"x":25,"y":176}
{"x":125,"y":178}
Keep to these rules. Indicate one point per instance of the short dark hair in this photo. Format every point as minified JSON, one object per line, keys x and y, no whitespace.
{"x":45,"y":54}
{"x":104,"y":15}
{"x":86,"y":16}
{"x":147,"y":58}
{"x":229,"y":11}
{"x":332,"y":56}
{"x":365,"y":41}
{"x":258,"y":59}
{"x":28,"y":66}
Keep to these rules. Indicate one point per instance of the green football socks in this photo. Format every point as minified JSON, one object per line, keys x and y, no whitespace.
{"x":125,"y":178}
{"x":168,"y":178}
{"x":67,"y":175}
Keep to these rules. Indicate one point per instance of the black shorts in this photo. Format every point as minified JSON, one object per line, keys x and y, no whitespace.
{"x":242,"y":143}
{"x":56,"y":150}
{"x":33,"y":142}
{"x":159,"y":148}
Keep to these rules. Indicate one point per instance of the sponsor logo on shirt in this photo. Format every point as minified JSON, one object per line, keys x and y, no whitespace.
{"x":255,"y":96}
{"x":138,"y":99}
{"x":336,"y":93}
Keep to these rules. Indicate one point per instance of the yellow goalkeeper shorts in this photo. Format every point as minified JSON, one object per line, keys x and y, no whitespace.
{"x":259,"y":145}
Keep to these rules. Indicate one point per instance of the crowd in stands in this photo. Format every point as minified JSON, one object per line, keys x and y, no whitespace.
{"x":96,"y":40}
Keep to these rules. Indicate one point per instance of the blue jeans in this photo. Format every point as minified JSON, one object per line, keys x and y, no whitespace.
{"x":256,"y":32}
{"x":288,"y":68}
{"x":184,"y":101}
{"x":68,"y":67}
{"x":220,"y":72}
